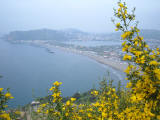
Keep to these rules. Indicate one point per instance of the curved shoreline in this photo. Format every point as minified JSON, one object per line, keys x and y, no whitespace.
{"x":118,"y":65}
{"x":100,"y":59}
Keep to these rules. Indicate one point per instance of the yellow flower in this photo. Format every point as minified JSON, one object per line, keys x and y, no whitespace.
{"x":94,"y":92}
{"x":119,"y":9}
{"x":121,"y":5}
{"x":66,"y":114}
{"x":8,"y":95}
{"x":96,"y":104}
{"x":124,"y":17}
{"x":129,"y":85}
{"x":133,"y":98}
{"x":127,"y":57}
{"x":5,"y":116}
{"x":90,"y":109}
{"x":43,"y":105}
{"x":139,"y":97}
{"x":18,"y":112}
{"x":153,"y":63}
{"x":141,"y":38}
{"x":157,"y":72}
{"x":81,"y":111}
{"x":1,"y":89}
{"x":68,"y":103}
{"x":116,"y":29}
{"x":126,"y":34}
{"x":140,"y":60}
{"x":52,"y":88}
{"x":73,"y":99}
{"x":138,"y":53}
{"x":89,"y":115}
{"x":104,"y":114}
{"x":146,"y":46}
{"x":124,"y":43}
{"x":158,"y":117}
{"x":57,"y":83}
{"x":5,"y":106}
{"x":46,"y":112}
{"x":100,"y":109}
{"x":153,"y":56}
{"x":118,"y":25}
{"x":113,"y":89}
{"x":56,"y":94}
{"x":125,"y":12}
{"x":38,"y":111}
{"x":136,"y":42}
{"x":125,"y":48}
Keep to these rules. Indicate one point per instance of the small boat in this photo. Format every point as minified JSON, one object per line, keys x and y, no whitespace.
{"x":50,"y":50}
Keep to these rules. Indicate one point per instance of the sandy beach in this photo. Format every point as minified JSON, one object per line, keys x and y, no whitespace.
{"x":121,"y":66}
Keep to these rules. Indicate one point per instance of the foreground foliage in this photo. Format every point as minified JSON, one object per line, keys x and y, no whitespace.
{"x":139,"y":101}
{"x":4,"y":97}
{"x":142,"y":98}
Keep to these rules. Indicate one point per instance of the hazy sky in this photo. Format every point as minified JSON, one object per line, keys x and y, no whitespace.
{"x":86,"y":15}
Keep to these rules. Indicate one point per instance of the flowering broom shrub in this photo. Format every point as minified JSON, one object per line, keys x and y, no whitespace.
{"x":141,"y":99}
{"x":4,"y":97}
{"x":143,"y":72}
{"x":7,"y":115}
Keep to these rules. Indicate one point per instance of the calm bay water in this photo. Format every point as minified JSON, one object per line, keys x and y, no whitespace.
{"x":29,"y":70}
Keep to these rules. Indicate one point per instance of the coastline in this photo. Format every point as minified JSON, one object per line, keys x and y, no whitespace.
{"x":22,"y":59}
{"x":118,"y":65}
{"x":100,"y":59}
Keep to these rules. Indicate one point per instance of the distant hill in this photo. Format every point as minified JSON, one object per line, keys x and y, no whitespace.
{"x":42,"y":34}
{"x":72,"y":34}
{"x":47,"y":34}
